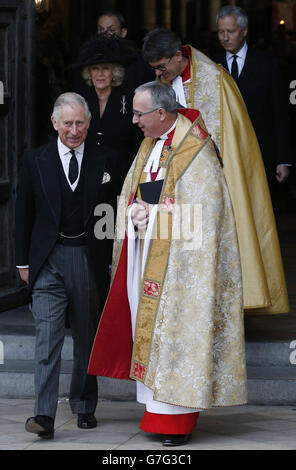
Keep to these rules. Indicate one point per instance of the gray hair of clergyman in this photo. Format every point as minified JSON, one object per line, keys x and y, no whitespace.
{"x":69,"y":99}
{"x":159,"y":43}
{"x":232,"y":10}
{"x":162,"y":95}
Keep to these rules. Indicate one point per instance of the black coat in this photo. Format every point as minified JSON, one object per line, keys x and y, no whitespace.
{"x":263,"y":90}
{"x":115,"y":128}
{"x":38,"y":208}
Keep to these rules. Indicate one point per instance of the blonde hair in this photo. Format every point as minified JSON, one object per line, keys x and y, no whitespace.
{"x":118,"y":75}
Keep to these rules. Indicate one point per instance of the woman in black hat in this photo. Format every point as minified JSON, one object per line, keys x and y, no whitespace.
{"x":102,"y":61}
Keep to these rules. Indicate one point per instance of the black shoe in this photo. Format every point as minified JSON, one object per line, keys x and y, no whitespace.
{"x":175,"y":440}
{"x":41,"y":425}
{"x":86,"y":421}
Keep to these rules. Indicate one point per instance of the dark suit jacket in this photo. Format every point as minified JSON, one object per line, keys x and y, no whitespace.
{"x":262,"y":88}
{"x":38,"y":208}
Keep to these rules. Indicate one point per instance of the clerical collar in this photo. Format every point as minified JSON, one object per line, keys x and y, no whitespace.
{"x":168,"y":136}
{"x":186,"y":74}
{"x":154,"y":158}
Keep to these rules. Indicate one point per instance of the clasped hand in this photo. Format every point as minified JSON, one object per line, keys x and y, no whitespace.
{"x":140,"y":214}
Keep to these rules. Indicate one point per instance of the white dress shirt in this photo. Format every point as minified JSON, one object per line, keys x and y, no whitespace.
{"x":65,"y":156}
{"x":240,"y":58}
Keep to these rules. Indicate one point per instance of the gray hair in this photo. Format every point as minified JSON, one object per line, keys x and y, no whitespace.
{"x":162,"y":95}
{"x":69,"y":99}
{"x":232,"y":10}
{"x":118,"y":75}
{"x":159,"y":43}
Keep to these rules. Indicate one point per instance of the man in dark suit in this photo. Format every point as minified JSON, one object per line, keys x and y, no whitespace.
{"x":59,"y":256}
{"x":258,"y":77}
{"x":113,"y":23}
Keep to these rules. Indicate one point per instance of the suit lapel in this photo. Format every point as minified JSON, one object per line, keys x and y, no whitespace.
{"x":224,"y":62}
{"x":244,"y":71}
{"x":245,"y":68}
{"x":251,"y":68}
{"x":94,"y":166}
{"x":47,"y":163}
{"x":221,"y":58}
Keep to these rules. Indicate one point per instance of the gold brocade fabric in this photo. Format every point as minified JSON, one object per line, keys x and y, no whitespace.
{"x":214,"y":93}
{"x":189,"y":339}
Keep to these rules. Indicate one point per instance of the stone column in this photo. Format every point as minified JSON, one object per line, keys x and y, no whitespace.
{"x":215,"y":6}
{"x":183,"y":19}
{"x":149,"y":14}
{"x":167,"y":13}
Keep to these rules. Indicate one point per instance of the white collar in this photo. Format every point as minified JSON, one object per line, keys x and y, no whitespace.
{"x":241,"y":54}
{"x":165,"y":136}
{"x":63,"y":149}
{"x":153,"y":161}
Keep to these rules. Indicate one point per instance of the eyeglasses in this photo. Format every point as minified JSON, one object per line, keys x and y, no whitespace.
{"x":139,"y":115}
{"x":161,"y":67}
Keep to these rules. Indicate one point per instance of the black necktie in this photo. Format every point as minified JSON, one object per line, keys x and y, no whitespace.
{"x":234,"y":68}
{"x":73,"y":168}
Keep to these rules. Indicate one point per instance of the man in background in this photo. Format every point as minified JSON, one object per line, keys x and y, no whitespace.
{"x":112,"y":23}
{"x":258,"y":77}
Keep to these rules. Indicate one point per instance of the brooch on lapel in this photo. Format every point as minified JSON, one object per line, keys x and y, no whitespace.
{"x":123,"y":105}
{"x":106,"y":178}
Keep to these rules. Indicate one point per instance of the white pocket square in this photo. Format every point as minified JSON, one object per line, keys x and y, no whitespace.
{"x":106,"y":178}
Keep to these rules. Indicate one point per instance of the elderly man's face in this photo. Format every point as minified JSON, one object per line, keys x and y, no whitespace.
{"x":230,"y":34}
{"x":72,"y":125}
{"x":145,"y":116}
{"x":110,"y":25}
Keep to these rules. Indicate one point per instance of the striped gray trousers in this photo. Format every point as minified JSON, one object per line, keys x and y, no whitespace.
{"x":65,"y":284}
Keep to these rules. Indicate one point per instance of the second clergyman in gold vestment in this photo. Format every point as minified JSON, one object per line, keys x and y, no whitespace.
{"x":201,"y":84}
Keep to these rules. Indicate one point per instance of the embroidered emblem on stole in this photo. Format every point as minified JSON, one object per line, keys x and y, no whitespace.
{"x":151,"y":288}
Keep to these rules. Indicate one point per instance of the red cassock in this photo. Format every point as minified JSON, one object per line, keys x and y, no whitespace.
{"x":112,"y":352}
